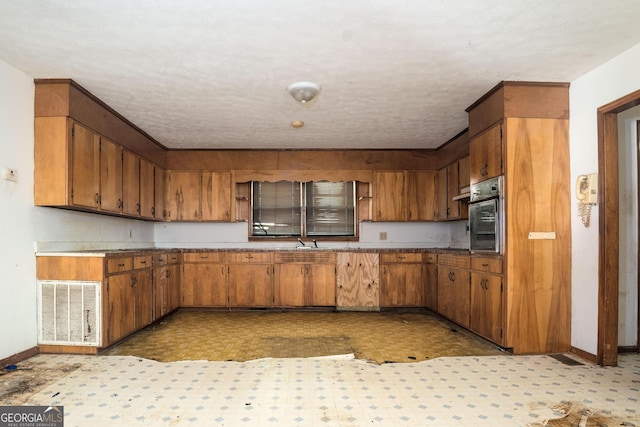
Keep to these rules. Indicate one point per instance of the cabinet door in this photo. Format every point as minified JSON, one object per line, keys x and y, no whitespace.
{"x":183,"y":196}
{"x":421,"y":196}
{"x":401,"y":285}
{"x":143,"y":297}
{"x":442,"y":195}
{"x":454,"y":294}
{"x":110,"y":176}
{"x":173,"y":287}
{"x":320,"y":285}
{"x":147,"y":189}
{"x":463,"y":174}
{"x":160,"y":281}
{"x":130,"y":183}
{"x":486,"y":306}
{"x":290,"y":285}
{"x":251,"y":285}
{"x":216,"y":196}
{"x":390,"y":196}
{"x":357,"y":281}
{"x":431,"y":287}
{"x":204,"y":285}
{"x":160,"y":211}
{"x":453,"y":206}
{"x":85,"y":168}
{"x":121,"y":304}
{"x":485,"y":155}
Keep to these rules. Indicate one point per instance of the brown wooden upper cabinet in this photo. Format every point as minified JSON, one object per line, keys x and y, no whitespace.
{"x":110,"y":176}
{"x":404,"y":196}
{"x":486,"y":155}
{"x":147,"y":189}
{"x":130,"y":183}
{"x":448,"y":185}
{"x":198,"y":196}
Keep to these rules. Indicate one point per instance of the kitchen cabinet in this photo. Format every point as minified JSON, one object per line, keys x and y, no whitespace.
{"x":147,"y":189}
{"x":448,"y":186}
{"x":166,"y":283}
{"x":358,"y":281}
{"x":421,"y":196}
{"x":198,"y":196}
{"x":110,"y":176}
{"x":485,"y":155}
{"x":486,"y":298}
{"x":390,"y":196}
{"x":130,"y":183}
{"x":305,"y":279}
{"x":215,"y":196}
{"x":159,"y":182}
{"x":250,"y":279}
{"x":183,"y":195}
{"x":454,"y":295}
{"x":401,"y":282}
{"x":129,"y":296}
{"x":204,"y":279}
{"x":521,"y":130}
{"x":160,"y":178}
{"x":80,"y":169}
{"x":430,"y":278}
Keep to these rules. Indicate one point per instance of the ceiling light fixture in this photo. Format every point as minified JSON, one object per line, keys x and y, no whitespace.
{"x":303,"y":92}
{"x":297,"y":124}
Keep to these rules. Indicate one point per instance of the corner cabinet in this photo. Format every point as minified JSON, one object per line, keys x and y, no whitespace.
{"x":521,"y":130}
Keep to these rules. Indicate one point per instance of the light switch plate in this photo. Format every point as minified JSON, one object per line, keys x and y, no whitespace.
{"x":10,"y":174}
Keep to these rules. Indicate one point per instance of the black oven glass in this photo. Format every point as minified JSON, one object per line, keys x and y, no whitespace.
{"x":483,"y":226}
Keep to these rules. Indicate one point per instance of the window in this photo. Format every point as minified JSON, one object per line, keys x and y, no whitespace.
{"x":292,"y":208}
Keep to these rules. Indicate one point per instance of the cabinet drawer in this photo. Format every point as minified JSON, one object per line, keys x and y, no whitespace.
{"x":304,"y":257}
{"x":488,"y":264}
{"x":203,"y":257}
{"x":116,"y":265}
{"x":430,"y":258}
{"x":452,"y":260}
{"x":250,"y":257}
{"x":160,"y":259}
{"x":141,"y":262}
{"x":400,"y":257}
{"x":174,"y":258}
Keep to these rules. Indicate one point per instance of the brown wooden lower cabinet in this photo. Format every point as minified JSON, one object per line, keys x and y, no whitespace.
{"x":401,"y":282}
{"x":358,"y":281}
{"x":430,"y":279}
{"x":305,"y":279}
{"x":486,"y":306}
{"x":454,"y":288}
{"x":250,"y":279}
{"x":166,"y":284}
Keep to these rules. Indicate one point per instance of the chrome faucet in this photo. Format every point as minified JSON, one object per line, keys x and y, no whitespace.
{"x":301,"y":243}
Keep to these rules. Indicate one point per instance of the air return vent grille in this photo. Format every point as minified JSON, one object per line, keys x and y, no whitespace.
{"x":69,"y":312}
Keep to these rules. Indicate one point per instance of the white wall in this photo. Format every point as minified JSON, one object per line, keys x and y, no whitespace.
{"x":612,"y":80}
{"x":628,"y":283}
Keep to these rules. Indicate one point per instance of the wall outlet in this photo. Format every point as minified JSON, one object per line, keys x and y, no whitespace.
{"x":383,"y":235}
{"x":10,"y":174}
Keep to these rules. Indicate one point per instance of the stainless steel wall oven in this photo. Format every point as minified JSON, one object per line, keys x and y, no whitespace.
{"x":486,"y":216}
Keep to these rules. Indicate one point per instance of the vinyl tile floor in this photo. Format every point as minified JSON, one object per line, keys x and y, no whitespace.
{"x":336,"y":391}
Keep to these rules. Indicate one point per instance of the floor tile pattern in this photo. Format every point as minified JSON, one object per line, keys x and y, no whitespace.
{"x":342,"y":391}
{"x":246,"y":335}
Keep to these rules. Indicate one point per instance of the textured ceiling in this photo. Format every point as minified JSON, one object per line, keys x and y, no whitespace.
{"x":394,"y":74}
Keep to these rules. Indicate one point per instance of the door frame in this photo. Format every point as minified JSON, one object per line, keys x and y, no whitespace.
{"x":609,"y":232}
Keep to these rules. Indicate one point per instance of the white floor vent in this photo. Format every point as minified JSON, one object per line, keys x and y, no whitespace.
{"x":69,"y":312}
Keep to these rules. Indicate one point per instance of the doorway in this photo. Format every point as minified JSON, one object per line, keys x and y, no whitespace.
{"x":609,"y":230}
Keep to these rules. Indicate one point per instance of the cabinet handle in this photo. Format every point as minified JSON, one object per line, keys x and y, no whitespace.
{"x":153,"y":210}
{"x":302,"y":270}
{"x":168,"y":274}
{"x":119,"y":203}
{"x":97,"y":197}
{"x":138,"y":207}
{"x":134,"y":282}
{"x":453,"y":276}
{"x":143,"y":262}
{"x":121,"y":265}
{"x":401,"y":257}
{"x":485,"y":265}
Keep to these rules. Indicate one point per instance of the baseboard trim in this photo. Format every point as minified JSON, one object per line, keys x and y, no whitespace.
{"x":583,"y":354}
{"x":628,"y":349}
{"x":19,"y":357}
